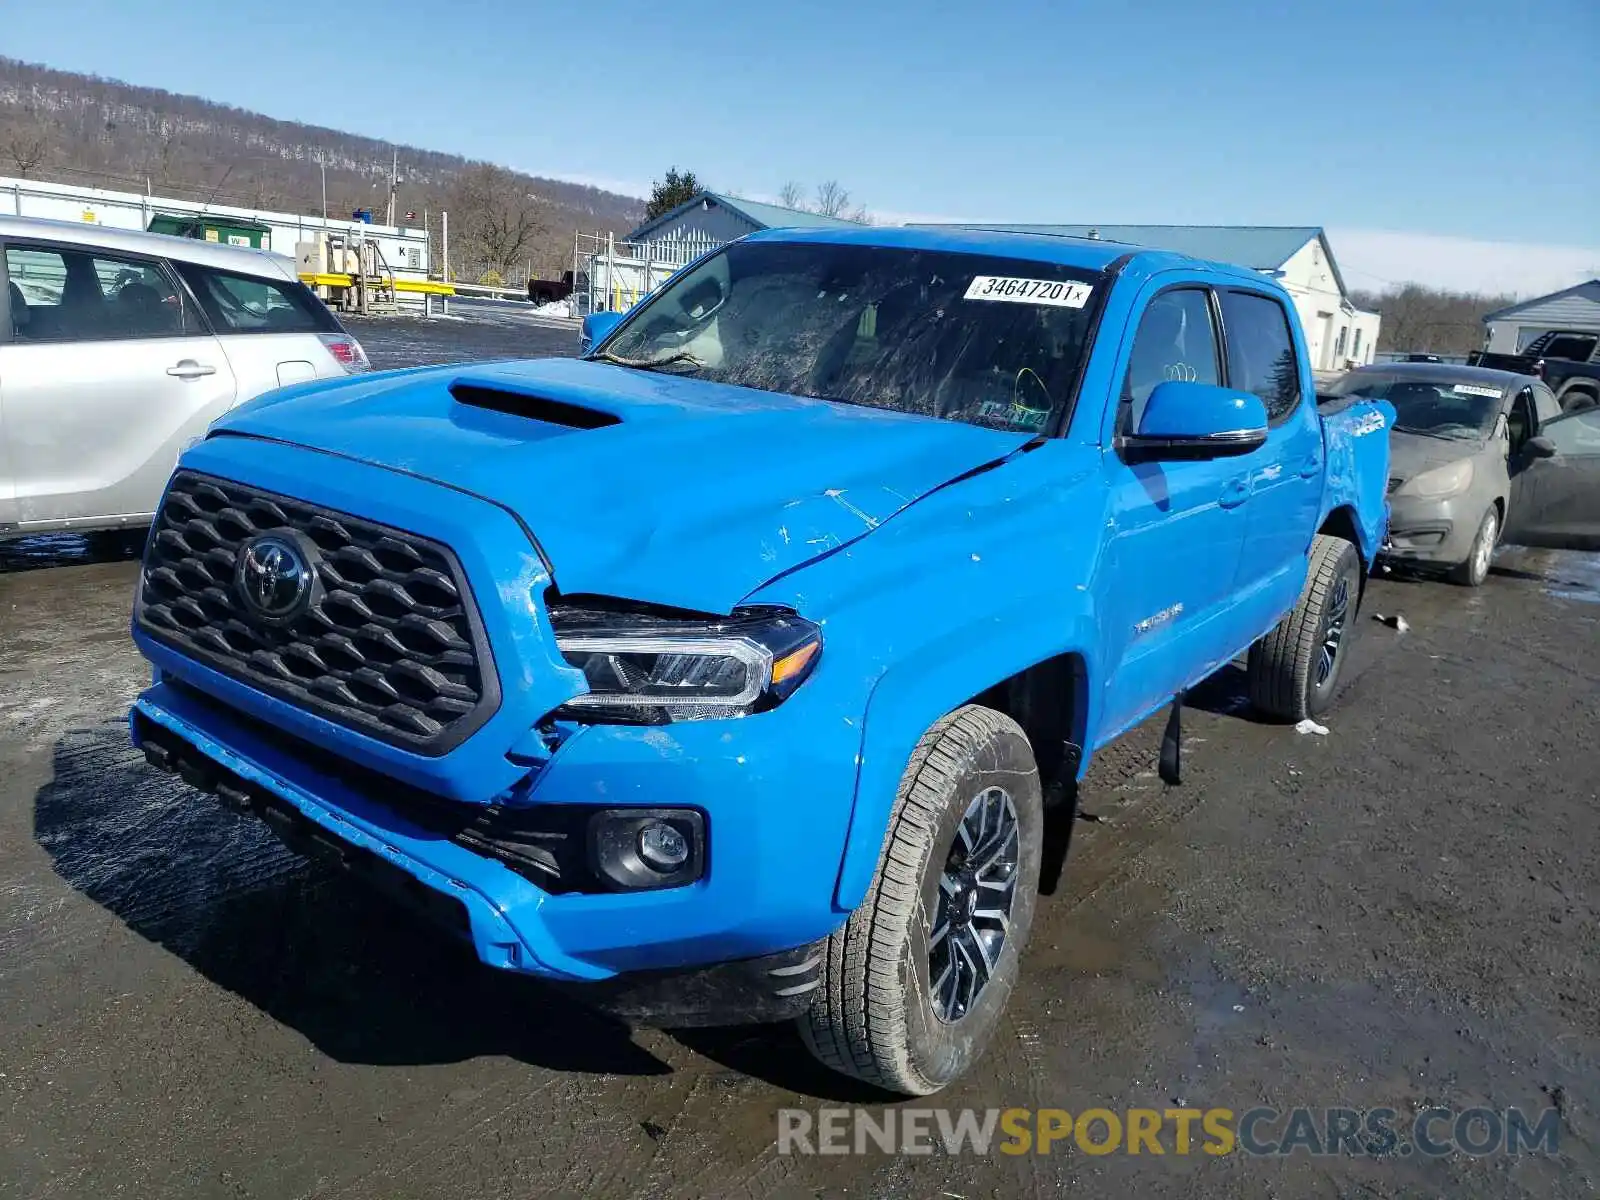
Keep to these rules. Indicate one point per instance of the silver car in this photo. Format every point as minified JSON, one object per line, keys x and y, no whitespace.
{"x":118,"y":348}
{"x":1479,"y":457}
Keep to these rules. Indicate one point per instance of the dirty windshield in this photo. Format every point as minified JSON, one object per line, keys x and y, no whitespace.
{"x":1445,"y":408}
{"x":989,"y":341}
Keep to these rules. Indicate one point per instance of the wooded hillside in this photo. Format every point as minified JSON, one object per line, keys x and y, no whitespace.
{"x":94,"y":132}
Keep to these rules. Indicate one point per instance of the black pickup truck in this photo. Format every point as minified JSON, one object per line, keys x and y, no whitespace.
{"x":546,"y":291}
{"x":1567,"y":360}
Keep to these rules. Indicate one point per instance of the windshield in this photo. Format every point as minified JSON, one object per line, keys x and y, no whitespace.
{"x":989,"y":341}
{"x":1448,"y":408}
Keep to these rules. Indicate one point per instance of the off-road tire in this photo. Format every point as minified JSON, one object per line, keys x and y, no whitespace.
{"x":1475,"y":570}
{"x":873,"y":1017}
{"x":1283,"y":665}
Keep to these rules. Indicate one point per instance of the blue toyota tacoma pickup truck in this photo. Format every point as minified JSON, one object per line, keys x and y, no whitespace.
{"x":722,"y":674}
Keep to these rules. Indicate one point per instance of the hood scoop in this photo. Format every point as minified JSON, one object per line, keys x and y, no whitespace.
{"x":516,"y":403}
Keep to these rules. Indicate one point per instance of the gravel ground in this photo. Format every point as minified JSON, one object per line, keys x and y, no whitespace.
{"x":1401,"y":913}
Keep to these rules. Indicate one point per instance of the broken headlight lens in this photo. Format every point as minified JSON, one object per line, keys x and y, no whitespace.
{"x":646,"y":667}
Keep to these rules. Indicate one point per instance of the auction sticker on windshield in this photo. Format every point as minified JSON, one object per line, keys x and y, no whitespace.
{"x":1055,"y":292}
{"x":1473,"y":389}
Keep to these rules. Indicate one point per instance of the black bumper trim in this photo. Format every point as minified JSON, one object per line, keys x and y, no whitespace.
{"x":749,"y":991}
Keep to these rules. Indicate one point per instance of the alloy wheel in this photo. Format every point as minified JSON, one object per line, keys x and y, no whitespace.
{"x":976,"y":891}
{"x":1333,"y":631}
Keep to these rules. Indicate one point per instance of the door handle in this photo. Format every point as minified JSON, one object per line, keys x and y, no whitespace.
{"x":1235,"y":492}
{"x":1311,"y":466}
{"x":189,"y":369}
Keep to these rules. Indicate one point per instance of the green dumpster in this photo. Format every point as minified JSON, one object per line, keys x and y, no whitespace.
{"x":228,"y":231}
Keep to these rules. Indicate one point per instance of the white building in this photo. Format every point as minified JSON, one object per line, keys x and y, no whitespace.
{"x":1575,"y":310}
{"x":404,"y":249}
{"x":709,"y":219}
{"x":1338,"y":334}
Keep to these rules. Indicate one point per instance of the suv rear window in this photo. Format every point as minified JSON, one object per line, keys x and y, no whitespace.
{"x":250,"y":304}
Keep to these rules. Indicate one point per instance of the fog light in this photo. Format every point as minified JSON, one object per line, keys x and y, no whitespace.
{"x":662,"y":846}
{"x":639,"y":849}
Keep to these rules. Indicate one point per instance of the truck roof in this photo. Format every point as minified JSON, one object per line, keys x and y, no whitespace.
{"x":1087,"y":253}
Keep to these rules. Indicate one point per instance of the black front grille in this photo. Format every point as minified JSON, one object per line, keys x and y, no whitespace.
{"x":390,"y":645}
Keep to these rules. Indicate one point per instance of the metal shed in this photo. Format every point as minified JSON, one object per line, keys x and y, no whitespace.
{"x":1509,"y":330}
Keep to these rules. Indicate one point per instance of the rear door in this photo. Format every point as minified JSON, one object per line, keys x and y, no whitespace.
{"x":1559,"y":502}
{"x":108,"y":372}
{"x":269,"y":327}
{"x":1285,"y":475}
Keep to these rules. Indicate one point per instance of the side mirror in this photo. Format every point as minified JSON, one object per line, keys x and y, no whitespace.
{"x":1540,"y":447}
{"x":1196,"y":421}
{"x":596,"y":328}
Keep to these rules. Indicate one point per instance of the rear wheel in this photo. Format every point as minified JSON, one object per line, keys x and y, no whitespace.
{"x":1294,"y":671}
{"x":1475,"y":570}
{"x":914,"y":985}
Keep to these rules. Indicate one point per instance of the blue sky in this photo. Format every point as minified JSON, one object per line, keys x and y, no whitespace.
{"x":1457,"y":123}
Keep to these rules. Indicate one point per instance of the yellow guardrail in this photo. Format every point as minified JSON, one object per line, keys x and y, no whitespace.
{"x":421,"y":287}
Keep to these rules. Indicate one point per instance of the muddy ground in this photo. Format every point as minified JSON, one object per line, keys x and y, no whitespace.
{"x":1401,"y":914}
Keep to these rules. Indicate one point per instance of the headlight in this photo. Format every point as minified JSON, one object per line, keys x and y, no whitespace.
{"x":653,"y":668}
{"x":1441,"y":481}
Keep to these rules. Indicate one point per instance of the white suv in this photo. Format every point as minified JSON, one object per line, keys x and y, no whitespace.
{"x":119,"y":348}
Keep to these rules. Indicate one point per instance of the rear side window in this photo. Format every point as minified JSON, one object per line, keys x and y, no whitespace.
{"x":248,"y":304}
{"x":1261,"y":356}
{"x":63,"y":295}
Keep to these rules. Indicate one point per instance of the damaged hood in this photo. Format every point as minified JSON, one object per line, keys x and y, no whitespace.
{"x":635,"y":484}
{"x":1410,"y":454}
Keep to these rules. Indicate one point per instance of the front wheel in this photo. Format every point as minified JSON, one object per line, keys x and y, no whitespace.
{"x":914,"y":985}
{"x":1475,"y":570}
{"x":1294,"y":671}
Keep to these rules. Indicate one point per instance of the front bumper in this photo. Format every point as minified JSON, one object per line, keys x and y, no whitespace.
{"x":1431,"y":532}
{"x":775,"y":839}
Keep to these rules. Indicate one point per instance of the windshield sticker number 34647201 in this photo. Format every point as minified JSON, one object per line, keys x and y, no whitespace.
{"x":1056,"y":292}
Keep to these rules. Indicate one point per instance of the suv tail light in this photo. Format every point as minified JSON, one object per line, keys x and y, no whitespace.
{"x":347,"y":351}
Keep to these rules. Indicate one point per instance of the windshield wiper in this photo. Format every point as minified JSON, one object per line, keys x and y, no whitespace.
{"x":1433,"y":433}
{"x":649,"y":364}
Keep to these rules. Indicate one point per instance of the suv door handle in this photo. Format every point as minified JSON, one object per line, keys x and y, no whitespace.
{"x":189,"y":369}
{"x":1311,"y":466}
{"x":1235,"y":492}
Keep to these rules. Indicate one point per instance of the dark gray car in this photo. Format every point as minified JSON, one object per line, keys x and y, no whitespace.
{"x":1478,"y":457}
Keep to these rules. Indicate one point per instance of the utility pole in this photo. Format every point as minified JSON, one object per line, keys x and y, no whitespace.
{"x":394,"y":182}
{"x":322,"y":163}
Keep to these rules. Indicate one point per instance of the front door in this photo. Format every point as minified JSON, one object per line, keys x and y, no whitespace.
{"x":1176,"y":528}
{"x":108,"y":372}
{"x":1557,"y":503}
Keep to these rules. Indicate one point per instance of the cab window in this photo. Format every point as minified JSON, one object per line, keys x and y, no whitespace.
{"x":1261,"y":357}
{"x":1176,"y":341}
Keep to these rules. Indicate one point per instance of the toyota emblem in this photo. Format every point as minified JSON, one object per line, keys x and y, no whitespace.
{"x":274,"y":578}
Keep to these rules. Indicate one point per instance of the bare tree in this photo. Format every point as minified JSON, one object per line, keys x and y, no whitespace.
{"x":498,"y":217}
{"x":832,"y":199}
{"x":792,"y":195}
{"x":1418,"y":318}
{"x":27,"y":143}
